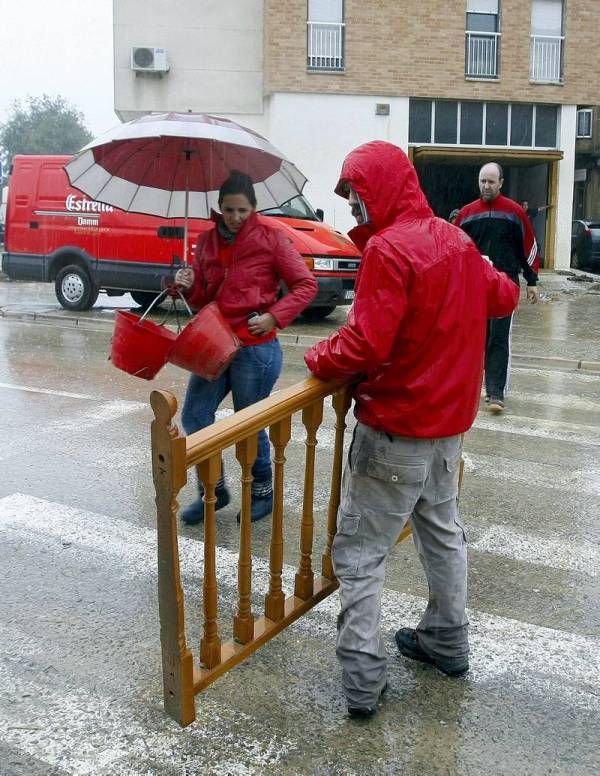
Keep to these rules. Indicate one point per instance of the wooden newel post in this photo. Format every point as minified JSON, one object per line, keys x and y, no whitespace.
{"x":170,"y":475}
{"x":243,"y":622}
{"x":341,"y":404}
{"x":312,"y":417}
{"x":210,"y":644}
{"x":280,"y":434}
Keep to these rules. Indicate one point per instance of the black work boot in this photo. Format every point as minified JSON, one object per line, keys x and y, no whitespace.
{"x":194,"y":514}
{"x":366,"y":712}
{"x":408,"y":644}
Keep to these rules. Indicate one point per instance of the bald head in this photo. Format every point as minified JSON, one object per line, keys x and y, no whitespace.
{"x":490,"y":181}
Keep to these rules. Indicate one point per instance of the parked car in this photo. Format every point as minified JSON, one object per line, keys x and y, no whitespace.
{"x":585,"y":245}
{"x":56,"y":234}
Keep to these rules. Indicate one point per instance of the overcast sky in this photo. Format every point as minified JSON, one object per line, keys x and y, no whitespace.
{"x":59,"y":47}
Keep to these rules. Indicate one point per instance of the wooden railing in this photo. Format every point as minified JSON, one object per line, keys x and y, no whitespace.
{"x":172,"y":456}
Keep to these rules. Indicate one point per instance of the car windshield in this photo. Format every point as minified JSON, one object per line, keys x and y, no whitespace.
{"x":297,"y":207}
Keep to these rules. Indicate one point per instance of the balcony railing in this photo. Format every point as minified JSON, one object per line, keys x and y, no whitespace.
{"x":481,"y":54}
{"x":325,"y":46}
{"x":546,"y":58}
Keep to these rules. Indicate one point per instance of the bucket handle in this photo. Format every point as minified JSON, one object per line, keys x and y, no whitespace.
{"x":160,"y":297}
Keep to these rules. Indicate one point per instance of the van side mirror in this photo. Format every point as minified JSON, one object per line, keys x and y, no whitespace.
{"x":320,"y":214}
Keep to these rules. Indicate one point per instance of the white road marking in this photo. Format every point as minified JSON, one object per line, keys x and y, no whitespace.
{"x":88,"y":733}
{"x":47,"y":391}
{"x":42,"y":520}
{"x":570,"y":375}
{"x":552,"y":553}
{"x":538,"y":427}
{"x":585,"y":482}
{"x":103,"y":731}
{"x":568,"y":401}
{"x":96,"y":415}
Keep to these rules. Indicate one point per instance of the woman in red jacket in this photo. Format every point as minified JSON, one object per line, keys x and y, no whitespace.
{"x":240,"y":263}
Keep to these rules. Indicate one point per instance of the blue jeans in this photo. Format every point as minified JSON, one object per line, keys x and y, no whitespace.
{"x":250,"y":378}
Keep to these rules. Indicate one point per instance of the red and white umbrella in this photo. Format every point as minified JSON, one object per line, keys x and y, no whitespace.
{"x":172,"y":165}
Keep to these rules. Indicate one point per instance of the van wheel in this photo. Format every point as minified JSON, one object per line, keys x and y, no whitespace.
{"x":317,"y":313}
{"x":74,"y":288}
{"x":143,"y":298}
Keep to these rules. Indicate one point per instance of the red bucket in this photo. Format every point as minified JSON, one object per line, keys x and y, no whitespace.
{"x":140,"y":347}
{"x":207,"y":345}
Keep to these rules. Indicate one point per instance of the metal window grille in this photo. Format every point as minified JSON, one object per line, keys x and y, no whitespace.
{"x":546,"y":58}
{"x":584,"y":123}
{"x":325,"y":45}
{"x":481,"y":55}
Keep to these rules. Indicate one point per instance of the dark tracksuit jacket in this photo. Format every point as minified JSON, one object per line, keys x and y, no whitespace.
{"x":502,"y":231}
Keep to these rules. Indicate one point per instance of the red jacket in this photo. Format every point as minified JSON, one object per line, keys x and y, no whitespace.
{"x":416,"y":331}
{"x":262,"y":258}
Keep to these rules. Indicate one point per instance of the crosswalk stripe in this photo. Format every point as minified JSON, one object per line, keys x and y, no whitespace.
{"x":580,"y":556}
{"x":40,"y":520}
{"x":585,"y":481}
{"x":555,"y":430}
{"x":98,"y":733}
{"x":102,"y":731}
{"x":47,"y":391}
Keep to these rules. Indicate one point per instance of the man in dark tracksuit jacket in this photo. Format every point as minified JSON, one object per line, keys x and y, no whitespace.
{"x":502,"y":231}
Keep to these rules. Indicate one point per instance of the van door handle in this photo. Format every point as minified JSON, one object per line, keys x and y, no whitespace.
{"x":34,"y":225}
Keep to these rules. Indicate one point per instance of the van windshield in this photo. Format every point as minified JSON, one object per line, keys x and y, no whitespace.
{"x":297,"y":207}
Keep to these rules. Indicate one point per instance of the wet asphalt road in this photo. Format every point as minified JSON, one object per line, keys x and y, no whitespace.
{"x":81,"y":688}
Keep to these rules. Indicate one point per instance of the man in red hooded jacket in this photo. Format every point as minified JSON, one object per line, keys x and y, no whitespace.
{"x":414,"y":342}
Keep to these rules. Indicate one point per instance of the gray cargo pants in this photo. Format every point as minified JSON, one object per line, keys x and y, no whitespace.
{"x":387,"y":480}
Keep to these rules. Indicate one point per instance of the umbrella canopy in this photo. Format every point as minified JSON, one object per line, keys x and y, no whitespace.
{"x":173,"y":164}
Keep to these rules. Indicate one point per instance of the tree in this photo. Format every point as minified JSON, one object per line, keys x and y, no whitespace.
{"x":44,"y":125}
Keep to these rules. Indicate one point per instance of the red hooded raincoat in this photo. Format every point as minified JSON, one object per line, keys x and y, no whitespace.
{"x":416,"y":331}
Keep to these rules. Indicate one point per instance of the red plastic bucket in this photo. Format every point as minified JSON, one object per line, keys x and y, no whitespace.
{"x":207,"y":345}
{"x":140,"y":347}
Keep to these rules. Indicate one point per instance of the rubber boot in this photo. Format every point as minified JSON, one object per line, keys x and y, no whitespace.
{"x":194,"y":514}
{"x":262,"y":500}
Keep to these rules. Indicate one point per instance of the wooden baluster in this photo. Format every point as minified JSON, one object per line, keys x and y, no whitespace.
{"x":280,"y":434}
{"x":210,"y":644}
{"x":312,"y":416}
{"x":341,"y":403}
{"x":243,"y":622}
{"x":170,"y":475}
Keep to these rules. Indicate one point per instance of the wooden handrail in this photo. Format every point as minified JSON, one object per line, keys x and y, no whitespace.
{"x":228,"y":431}
{"x":172,"y":455}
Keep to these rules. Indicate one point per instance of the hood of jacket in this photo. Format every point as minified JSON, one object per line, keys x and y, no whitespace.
{"x":385,"y":179}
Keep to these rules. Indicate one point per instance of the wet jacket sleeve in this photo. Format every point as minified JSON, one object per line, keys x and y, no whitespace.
{"x":366,"y":340}
{"x":531,"y":255}
{"x":502,"y":293}
{"x":301,"y":284}
{"x":199,"y":294}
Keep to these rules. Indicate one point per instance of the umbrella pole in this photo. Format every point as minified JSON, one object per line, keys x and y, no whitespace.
{"x":188,"y":155}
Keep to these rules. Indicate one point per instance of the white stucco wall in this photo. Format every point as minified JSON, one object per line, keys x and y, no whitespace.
{"x":215,"y":52}
{"x":566,"y":179}
{"x":316,"y":131}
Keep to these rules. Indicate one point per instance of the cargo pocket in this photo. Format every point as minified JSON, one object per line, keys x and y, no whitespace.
{"x":446,"y":485}
{"x":399,"y":484}
{"x":346,"y":548}
{"x":461,"y":526}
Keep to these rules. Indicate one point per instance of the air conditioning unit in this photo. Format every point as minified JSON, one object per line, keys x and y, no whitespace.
{"x":149,"y":59}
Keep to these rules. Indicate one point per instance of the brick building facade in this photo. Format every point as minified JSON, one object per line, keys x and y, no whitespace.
{"x":455,"y":82}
